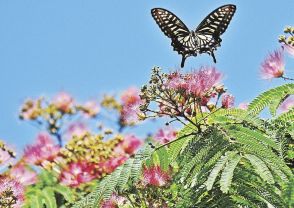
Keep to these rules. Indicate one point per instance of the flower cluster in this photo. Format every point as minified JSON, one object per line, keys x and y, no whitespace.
{"x":44,"y":150}
{"x":165,"y":135}
{"x":23,"y":174}
{"x":113,"y":202}
{"x":155,"y":176}
{"x":183,"y":95}
{"x":5,"y":154}
{"x":11,"y":193}
{"x":287,"y":40}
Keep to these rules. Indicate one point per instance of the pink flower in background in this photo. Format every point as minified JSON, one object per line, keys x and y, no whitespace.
{"x":289,"y":49}
{"x":155,"y":176}
{"x":130,"y":105}
{"x":111,"y":164}
{"x":63,"y":101}
{"x":228,"y":101}
{"x":24,"y":175}
{"x":243,"y":106}
{"x":287,"y":104}
{"x":165,"y":135}
{"x":4,"y":157}
{"x":43,"y":150}
{"x":30,"y":110}
{"x":114,"y":201}
{"x":78,"y":129}
{"x":273,"y":66}
{"x":130,"y":144}
{"x":91,"y":109}
{"x":11,"y":193}
{"x":77,"y":173}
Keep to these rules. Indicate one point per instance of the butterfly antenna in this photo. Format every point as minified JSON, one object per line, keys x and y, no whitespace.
{"x":183,"y":61}
{"x":214,"y":59}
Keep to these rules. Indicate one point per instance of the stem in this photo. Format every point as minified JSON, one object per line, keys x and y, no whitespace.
{"x":59,"y":139}
{"x":287,"y":78}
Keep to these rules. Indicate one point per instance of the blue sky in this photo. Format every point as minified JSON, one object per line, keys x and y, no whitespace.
{"x":91,"y":47}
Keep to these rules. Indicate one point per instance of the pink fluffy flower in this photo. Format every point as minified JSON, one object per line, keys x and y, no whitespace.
{"x":111,"y":164}
{"x":287,"y":104}
{"x":197,"y":83}
{"x":77,"y":173}
{"x":130,"y":105}
{"x":44,"y":149}
{"x":63,"y":102}
{"x":23,"y":175}
{"x":130,"y":144}
{"x":165,"y":135}
{"x":78,"y":129}
{"x":91,"y":109}
{"x":243,"y":106}
{"x":4,"y":157}
{"x":289,"y":49}
{"x":273,"y":66}
{"x":228,"y":101}
{"x":155,"y":176}
{"x":114,"y":201}
{"x":11,"y":193}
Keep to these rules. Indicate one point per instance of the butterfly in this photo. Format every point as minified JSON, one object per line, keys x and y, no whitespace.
{"x":205,"y":38}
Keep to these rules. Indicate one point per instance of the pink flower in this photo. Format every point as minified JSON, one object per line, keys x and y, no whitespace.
{"x":63,"y":102}
{"x":273,"y":66}
{"x":130,"y":106}
{"x":11,"y":193}
{"x":197,"y":83}
{"x":111,"y":164}
{"x":114,"y":201}
{"x":78,"y":129}
{"x":287,"y":104}
{"x":77,"y":173}
{"x":130,"y":144}
{"x":228,"y":101}
{"x":91,"y":109}
{"x":155,"y":176}
{"x":4,"y":157}
{"x":23,"y":175}
{"x":243,"y":106}
{"x":289,"y":49}
{"x":165,"y":135}
{"x":30,"y":109}
{"x":43,"y":150}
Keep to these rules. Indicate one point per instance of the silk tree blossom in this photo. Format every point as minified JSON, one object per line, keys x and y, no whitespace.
{"x":155,"y":176}
{"x":111,"y":164}
{"x":113,"y":202}
{"x":197,"y":83}
{"x":78,"y":129}
{"x":228,"y":100}
{"x":243,"y":106}
{"x":289,"y":49}
{"x":63,"y":102}
{"x":130,"y":106}
{"x":287,"y":104}
{"x":273,"y":66}
{"x":77,"y":173}
{"x":165,"y":135}
{"x":4,"y":157}
{"x":30,"y":109}
{"x":23,"y":175}
{"x":43,"y":150}
{"x":90,"y":109}
{"x":131,"y":144}
{"x":11,"y":193}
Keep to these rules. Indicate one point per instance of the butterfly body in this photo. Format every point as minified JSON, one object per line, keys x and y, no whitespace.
{"x":206,"y":37}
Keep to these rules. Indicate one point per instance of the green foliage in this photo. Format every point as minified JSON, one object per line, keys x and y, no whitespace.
{"x":48,"y":193}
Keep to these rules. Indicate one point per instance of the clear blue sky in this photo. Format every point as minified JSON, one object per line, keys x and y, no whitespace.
{"x":90,"y":47}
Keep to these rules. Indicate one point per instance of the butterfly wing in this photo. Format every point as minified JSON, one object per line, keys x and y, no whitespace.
{"x":175,"y":29}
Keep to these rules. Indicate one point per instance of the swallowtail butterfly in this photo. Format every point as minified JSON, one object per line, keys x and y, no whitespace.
{"x":205,"y":38}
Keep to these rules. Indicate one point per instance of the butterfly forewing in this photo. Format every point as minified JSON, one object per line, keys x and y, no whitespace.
{"x":217,"y":21}
{"x":169,"y":23}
